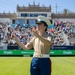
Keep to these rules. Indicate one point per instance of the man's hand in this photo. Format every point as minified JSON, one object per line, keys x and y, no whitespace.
{"x":13,"y":36}
{"x":33,"y":29}
{"x":35,"y":33}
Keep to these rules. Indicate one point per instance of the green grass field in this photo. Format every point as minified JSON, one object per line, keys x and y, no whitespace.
{"x":21,"y":65}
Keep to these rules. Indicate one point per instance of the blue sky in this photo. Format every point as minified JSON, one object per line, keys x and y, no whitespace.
{"x":10,"y":5}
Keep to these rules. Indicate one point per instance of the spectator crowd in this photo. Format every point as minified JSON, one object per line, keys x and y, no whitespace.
{"x":63,"y":33}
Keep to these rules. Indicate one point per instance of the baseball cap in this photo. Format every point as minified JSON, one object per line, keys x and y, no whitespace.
{"x":41,"y":19}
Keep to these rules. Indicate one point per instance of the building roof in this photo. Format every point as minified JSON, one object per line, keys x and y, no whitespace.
{"x":33,"y":8}
{"x":8,"y":15}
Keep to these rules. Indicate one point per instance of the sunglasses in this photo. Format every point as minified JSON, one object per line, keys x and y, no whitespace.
{"x":39,"y":23}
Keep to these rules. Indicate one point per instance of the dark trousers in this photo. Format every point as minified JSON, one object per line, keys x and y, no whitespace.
{"x":40,"y":66}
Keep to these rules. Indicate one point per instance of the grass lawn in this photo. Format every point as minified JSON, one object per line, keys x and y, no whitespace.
{"x":21,"y":65}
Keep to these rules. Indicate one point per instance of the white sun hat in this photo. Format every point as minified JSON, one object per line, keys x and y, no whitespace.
{"x":43,"y":19}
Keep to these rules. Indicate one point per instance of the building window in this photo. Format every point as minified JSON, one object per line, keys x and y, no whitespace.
{"x":32,"y":15}
{"x":43,"y":15}
{"x":24,"y":15}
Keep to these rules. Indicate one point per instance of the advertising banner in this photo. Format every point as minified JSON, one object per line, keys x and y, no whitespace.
{"x":30,"y":52}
